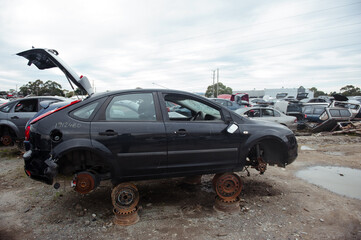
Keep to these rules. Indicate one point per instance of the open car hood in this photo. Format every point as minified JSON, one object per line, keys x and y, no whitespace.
{"x":44,"y":58}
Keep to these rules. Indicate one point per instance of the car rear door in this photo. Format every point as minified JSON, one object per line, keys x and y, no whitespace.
{"x":130,"y":127}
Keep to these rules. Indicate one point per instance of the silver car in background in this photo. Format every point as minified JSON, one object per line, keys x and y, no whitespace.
{"x":269,"y":114}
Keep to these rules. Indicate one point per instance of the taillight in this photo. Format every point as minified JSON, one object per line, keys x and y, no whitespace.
{"x":295,"y":120}
{"x":27,"y":133}
{"x":53,"y":111}
{"x":305,"y":115}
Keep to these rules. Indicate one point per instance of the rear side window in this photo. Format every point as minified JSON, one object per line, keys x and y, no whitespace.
{"x":345,"y":113}
{"x":267,"y":113}
{"x":308,"y":110}
{"x":29,"y":105}
{"x":85,"y":112}
{"x":6,"y":108}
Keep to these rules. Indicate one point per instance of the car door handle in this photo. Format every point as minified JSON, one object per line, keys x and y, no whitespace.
{"x":108,"y":133}
{"x":15,"y":117}
{"x":181,"y":132}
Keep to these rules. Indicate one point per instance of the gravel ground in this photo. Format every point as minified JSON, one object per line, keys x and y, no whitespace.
{"x":276,"y":205}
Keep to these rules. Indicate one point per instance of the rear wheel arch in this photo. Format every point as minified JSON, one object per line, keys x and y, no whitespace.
{"x":7,"y":133}
{"x":80,"y":155}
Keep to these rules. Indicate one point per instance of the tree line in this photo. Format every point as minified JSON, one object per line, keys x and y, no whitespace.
{"x":48,"y":88}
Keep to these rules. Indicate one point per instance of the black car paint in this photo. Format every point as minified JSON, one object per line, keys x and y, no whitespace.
{"x":159,"y":149}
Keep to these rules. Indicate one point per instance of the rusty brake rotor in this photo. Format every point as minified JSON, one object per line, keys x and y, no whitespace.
{"x":6,"y":140}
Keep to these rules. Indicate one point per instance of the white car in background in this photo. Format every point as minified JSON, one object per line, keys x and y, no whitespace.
{"x":269,"y":114}
{"x":3,"y":101}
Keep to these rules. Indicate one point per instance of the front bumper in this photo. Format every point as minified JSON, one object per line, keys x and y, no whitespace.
{"x":292,"y":149}
{"x":40,"y":166}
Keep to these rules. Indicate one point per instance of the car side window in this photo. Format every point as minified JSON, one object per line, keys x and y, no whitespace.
{"x":131,"y":107}
{"x":277,"y":114}
{"x":86,"y":111}
{"x":187,"y":108}
{"x":253,"y":113}
{"x":318,"y":110}
{"x":28,"y":105}
{"x":345,"y":113}
{"x":7,"y":108}
{"x":308,"y":110}
{"x":267,"y":113}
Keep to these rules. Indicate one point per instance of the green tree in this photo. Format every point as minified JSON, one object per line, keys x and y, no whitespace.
{"x":39,"y":88}
{"x":317,"y":93}
{"x":350,"y":90}
{"x":222,"y":89}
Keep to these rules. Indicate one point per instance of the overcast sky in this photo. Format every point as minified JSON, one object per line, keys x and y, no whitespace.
{"x":177,"y":44}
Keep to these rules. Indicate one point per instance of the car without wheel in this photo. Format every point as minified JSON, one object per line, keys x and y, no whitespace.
{"x":130,"y":135}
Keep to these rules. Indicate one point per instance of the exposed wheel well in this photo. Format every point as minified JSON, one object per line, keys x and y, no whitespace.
{"x":82,"y":160}
{"x":6,"y":130}
{"x":271,"y":150}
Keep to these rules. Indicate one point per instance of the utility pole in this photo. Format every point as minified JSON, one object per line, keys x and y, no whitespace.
{"x":217,"y":80}
{"x":214,"y":73}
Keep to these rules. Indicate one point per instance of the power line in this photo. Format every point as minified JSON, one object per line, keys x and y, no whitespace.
{"x":251,"y":25}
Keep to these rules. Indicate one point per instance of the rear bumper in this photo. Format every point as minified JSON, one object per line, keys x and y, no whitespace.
{"x":40,"y":167}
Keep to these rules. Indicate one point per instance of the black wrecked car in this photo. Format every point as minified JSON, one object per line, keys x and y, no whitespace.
{"x":131,"y":135}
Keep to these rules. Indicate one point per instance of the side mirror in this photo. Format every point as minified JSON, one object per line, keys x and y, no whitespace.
{"x":232,"y":128}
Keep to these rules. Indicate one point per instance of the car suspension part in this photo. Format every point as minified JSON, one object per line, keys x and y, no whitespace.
{"x":261,"y":165}
{"x":85,"y":182}
{"x":125,"y":198}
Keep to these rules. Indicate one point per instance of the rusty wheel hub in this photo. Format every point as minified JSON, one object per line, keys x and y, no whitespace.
{"x":85,"y":182}
{"x":6,"y":140}
{"x":125,"y":197}
{"x":228,"y":186}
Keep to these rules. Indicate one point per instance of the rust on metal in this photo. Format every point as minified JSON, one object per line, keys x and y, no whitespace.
{"x":227,"y":206}
{"x":262,"y":165}
{"x":125,"y":197}
{"x":6,"y":140}
{"x":193,"y":180}
{"x":126,"y":219}
{"x":85,"y":183}
{"x":228,"y":186}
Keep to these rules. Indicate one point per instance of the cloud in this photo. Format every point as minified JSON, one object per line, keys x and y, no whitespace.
{"x":177,"y":44}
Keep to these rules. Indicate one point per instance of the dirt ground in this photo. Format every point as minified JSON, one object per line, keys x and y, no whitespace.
{"x":276,"y":205}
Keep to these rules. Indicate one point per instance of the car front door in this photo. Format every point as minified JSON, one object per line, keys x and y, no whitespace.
{"x":200,"y":142}
{"x":130,"y":127}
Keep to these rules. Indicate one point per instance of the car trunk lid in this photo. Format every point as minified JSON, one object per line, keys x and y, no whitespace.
{"x":44,"y":58}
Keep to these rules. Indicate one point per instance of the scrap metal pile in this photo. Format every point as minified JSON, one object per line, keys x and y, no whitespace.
{"x":348,"y":128}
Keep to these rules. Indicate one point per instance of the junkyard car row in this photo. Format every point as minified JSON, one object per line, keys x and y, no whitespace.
{"x":142,"y":134}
